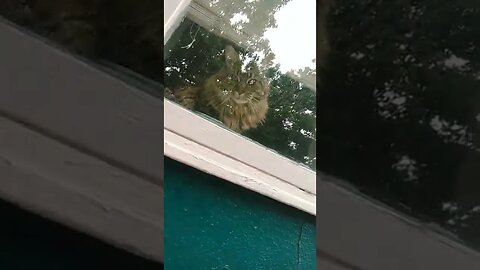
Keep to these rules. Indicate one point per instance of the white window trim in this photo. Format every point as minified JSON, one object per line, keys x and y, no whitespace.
{"x":209,"y":147}
{"x":174,"y":10}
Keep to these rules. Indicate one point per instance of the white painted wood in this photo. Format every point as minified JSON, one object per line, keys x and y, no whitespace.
{"x":362,"y":232}
{"x":80,"y":191}
{"x":231,"y":144}
{"x":80,"y":105}
{"x":220,"y":152}
{"x":174,"y":10}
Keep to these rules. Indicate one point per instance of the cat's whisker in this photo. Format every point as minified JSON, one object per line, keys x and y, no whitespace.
{"x":253,"y":108}
{"x":224,"y":101}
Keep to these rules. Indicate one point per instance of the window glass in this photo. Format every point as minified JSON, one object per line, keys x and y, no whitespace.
{"x":255,"y":61}
{"x":251,"y":67}
{"x":124,"y":35}
{"x":399,"y":115}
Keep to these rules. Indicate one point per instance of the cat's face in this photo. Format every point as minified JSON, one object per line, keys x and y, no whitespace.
{"x":238,"y":83}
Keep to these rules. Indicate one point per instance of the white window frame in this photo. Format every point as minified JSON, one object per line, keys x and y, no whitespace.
{"x":353,"y":231}
{"x":72,"y":160}
{"x":211,"y":148}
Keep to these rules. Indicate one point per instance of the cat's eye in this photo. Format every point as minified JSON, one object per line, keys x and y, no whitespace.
{"x":251,"y":81}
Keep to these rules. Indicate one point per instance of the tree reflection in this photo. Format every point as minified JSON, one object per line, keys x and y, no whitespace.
{"x":290,"y":126}
{"x":399,"y":116}
{"x":254,"y":26}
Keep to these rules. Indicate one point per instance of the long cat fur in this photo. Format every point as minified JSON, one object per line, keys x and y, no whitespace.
{"x":236,"y":96}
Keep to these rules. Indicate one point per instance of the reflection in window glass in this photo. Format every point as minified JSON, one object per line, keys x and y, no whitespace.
{"x":252,"y":68}
{"x":115,"y":33}
{"x":259,"y":65}
{"x":400,"y":111}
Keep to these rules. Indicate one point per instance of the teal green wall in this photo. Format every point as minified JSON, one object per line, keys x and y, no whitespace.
{"x":213,"y":224}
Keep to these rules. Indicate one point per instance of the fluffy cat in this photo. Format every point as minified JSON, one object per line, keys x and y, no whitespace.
{"x":237,"y":95}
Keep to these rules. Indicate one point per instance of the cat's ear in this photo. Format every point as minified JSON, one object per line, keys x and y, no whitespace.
{"x":231,"y":56}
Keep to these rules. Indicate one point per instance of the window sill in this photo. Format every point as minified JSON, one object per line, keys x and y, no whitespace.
{"x":211,"y":148}
{"x":80,"y":191}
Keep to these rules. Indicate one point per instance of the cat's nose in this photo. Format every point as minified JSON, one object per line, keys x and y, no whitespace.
{"x":238,"y":95}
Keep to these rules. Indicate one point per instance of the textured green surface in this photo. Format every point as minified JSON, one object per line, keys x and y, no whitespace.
{"x":213,"y":224}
